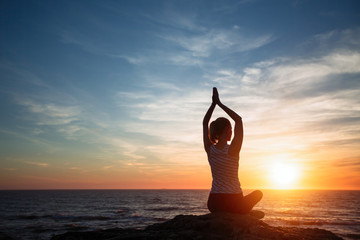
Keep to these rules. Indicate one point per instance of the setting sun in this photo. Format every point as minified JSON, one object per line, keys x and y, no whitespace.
{"x":284,"y":175}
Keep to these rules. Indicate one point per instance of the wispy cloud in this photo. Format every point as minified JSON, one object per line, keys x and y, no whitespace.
{"x":39,"y":164}
{"x":79,"y":169}
{"x":12,"y":71}
{"x":187,"y":41}
{"x":198,"y":48}
{"x":9,"y":169}
{"x":226,"y":7}
{"x":70,"y":131}
{"x":50,"y":113}
{"x":132,"y":59}
{"x":36,"y":141}
{"x":80,"y":40}
{"x":218,"y":40}
{"x":172,"y":18}
{"x":348,"y":37}
{"x":107,"y":167}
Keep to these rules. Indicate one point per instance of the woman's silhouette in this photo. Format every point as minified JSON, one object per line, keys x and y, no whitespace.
{"x":226,"y":194}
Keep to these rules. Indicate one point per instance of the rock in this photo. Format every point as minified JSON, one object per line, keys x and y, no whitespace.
{"x":210,"y":226}
{"x":4,"y":236}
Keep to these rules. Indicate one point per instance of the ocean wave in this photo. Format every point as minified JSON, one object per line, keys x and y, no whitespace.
{"x":298,"y":223}
{"x":160,"y":209}
{"x":84,"y":218}
{"x":317,"y":222}
{"x":291,"y":212}
{"x":38,"y":229}
{"x":28,"y":217}
{"x":74,"y":227}
{"x":61,"y":217}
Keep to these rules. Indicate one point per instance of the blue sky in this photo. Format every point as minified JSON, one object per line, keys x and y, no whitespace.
{"x":112,"y":93}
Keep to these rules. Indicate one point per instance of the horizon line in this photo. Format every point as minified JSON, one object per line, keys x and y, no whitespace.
{"x":208,"y":189}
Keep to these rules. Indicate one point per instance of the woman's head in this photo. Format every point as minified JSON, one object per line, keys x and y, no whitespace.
{"x":221,"y":127}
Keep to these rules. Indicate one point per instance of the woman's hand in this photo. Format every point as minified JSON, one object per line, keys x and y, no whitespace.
{"x":215,"y":97}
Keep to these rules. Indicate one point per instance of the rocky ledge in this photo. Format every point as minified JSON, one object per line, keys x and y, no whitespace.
{"x":209,"y":226}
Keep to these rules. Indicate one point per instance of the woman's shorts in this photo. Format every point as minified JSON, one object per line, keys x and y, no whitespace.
{"x":223,"y":202}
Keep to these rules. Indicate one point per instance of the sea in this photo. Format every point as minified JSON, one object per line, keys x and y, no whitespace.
{"x":40,"y":214}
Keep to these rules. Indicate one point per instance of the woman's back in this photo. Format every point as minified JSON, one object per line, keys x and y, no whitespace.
{"x":224,"y":170}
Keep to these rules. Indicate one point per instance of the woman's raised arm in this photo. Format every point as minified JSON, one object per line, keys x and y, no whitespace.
{"x":206,"y":139}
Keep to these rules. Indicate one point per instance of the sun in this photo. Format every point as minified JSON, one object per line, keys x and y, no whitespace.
{"x":284,"y":175}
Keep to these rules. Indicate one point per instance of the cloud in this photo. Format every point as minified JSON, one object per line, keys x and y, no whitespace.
{"x":300,"y":78}
{"x":197,"y":49}
{"x":70,"y":131}
{"x":37,"y":131}
{"x":346,"y":39}
{"x":79,"y":169}
{"x":38,"y":142}
{"x":171,"y":17}
{"x":9,"y":169}
{"x":80,"y":40}
{"x":132,"y":59}
{"x":352,"y":162}
{"x":135,"y":164}
{"x":189,"y":43}
{"x":50,"y":113}
{"x":291,"y":78}
{"x":172,"y":118}
{"x":20,"y":74}
{"x":87,"y":42}
{"x":54,"y":114}
{"x":39,"y":164}
{"x":349,"y":37}
{"x":227,"y":8}
{"x":177,"y":38}
{"x":215,"y":40}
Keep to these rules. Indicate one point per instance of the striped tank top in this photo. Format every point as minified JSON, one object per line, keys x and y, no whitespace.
{"x":224,"y":170}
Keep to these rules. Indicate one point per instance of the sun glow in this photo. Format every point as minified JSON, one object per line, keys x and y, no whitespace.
{"x":284,"y":175}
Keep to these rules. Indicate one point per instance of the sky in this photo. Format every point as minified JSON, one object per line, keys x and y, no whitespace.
{"x":111,"y":94}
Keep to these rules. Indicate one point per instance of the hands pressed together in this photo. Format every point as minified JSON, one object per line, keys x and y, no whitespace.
{"x":215,"y":97}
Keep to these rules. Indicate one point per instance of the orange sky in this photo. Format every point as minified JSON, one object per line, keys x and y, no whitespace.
{"x":316,"y":170}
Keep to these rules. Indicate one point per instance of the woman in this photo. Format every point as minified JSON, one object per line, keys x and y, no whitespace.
{"x":226,"y":194}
